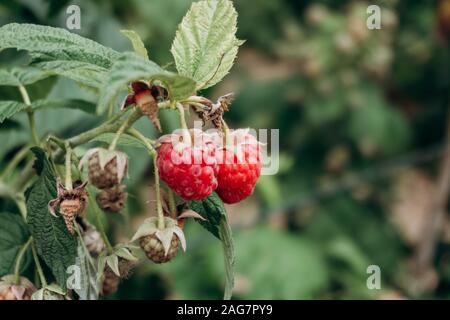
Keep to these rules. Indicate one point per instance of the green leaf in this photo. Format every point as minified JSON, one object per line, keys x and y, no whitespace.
{"x":137,"y":43}
{"x":13,"y":236}
{"x":205,"y":44}
{"x":56,"y":246}
{"x":125,"y":253}
{"x":10,"y":108}
{"x":87,"y":74}
{"x":88,"y":289}
{"x":113,"y":262}
{"x":21,"y":76}
{"x":213,"y":210}
{"x":130,"y":67}
{"x":125,"y":140}
{"x":60,"y":51}
{"x":55,"y":44}
{"x":82,"y":105}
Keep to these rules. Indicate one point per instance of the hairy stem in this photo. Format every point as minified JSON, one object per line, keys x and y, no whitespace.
{"x":184,"y":127}
{"x":38,"y":265}
{"x":68,"y":181}
{"x":158,"y":196}
{"x":83,"y":244}
{"x":19,"y":259}
{"x":172,"y":204}
{"x":135,"y":133}
{"x":427,"y":248}
{"x":24,"y":178}
{"x":119,"y":132}
{"x":182,"y":117}
{"x":19,"y":199}
{"x":226,"y":132}
{"x":228,"y":254}
{"x":59,"y":142}
{"x":30,"y":113}
{"x":110,"y":126}
{"x":19,"y":156}
{"x":146,"y":141}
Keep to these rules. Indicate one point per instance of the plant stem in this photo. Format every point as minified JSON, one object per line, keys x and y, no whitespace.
{"x":25,"y":176}
{"x":19,"y":198}
{"x":83,"y":244}
{"x":426,"y":249}
{"x":109,"y":126}
{"x":122,"y":128}
{"x":182,"y":117}
{"x":68,"y":182}
{"x":146,"y":141}
{"x":228,"y":254}
{"x":19,"y":156}
{"x":19,"y":260}
{"x":172,"y":204}
{"x":59,"y":142}
{"x":158,"y":196}
{"x":30,"y":113}
{"x":110,"y":110}
{"x":226,"y":132}
{"x":135,"y":133}
{"x":186,"y":136}
{"x":38,"y":265}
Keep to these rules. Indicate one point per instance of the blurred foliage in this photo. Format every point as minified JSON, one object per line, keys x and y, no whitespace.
{"x":348,"y":101}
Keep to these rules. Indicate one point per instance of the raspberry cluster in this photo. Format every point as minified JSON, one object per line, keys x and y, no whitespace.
{"x":195,"y":165}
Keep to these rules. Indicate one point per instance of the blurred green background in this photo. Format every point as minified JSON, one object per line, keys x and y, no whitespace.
{"x":362,"y":119}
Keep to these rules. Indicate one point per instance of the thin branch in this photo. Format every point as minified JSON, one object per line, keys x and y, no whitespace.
{"x":30,"y":113}
{"x":427,"y":247}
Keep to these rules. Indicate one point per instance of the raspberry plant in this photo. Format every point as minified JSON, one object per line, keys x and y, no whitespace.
{"x":53,"y":232}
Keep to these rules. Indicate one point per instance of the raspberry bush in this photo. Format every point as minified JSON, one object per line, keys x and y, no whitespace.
{"x":65,"y":193}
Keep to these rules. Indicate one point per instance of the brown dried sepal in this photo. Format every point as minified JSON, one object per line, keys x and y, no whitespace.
{"x":214,"y":111}
{"x":69,"y":203}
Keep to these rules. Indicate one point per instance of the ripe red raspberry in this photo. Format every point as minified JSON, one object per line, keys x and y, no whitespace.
{"x":239,"y":166}
{"x":188,"y":167}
